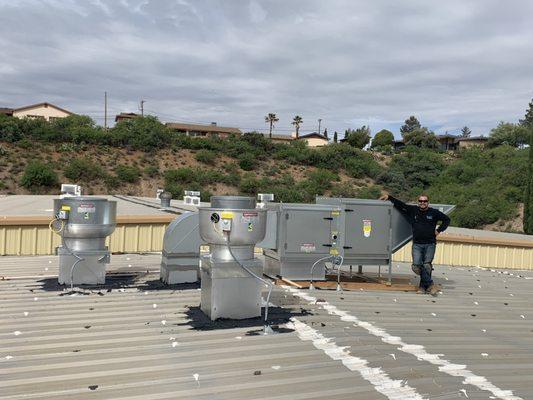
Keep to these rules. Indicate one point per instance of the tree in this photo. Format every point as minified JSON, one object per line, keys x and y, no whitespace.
{"x":508,"y":133}
{"x":421,"y":137}
{"x":335,"y":137}
{"x":297,"y":121}
{"x":142,"y":133}
{"x":411,"y":124}
{"x":326,"y":133}
{"x":465,"y":132}
{"x":528,"y":119}
{"x":359,"y":137}
{"x":528,"y":201}
{"x":270,"y":119}
{"x":383,"y":138}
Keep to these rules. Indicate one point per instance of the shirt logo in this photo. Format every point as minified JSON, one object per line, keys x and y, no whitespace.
{"x":430,"y":216}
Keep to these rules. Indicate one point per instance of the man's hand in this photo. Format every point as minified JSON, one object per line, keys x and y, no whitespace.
{"x":384,"y":197}
{"x":437,"y":233}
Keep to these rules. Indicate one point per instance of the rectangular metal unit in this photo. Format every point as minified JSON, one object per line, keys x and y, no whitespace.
{"x":88,"y":271}
{"x":305,"y":233}
{"x":228,"y":291}
{"x":366,"y":230}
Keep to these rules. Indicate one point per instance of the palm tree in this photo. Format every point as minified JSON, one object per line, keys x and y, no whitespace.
{"x":270,"y":119}
{"x":297,"y":120}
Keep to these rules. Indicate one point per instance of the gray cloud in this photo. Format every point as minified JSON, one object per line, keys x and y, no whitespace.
{"x":348,"y":62}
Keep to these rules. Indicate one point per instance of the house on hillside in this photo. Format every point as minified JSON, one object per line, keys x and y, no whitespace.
{"x":447,"y":142}
{"x":314,"y":139}
{"x":398,"y":144}
{"x":125,"y":116}
{"x":6,"y":111}
{"x":280,"y":138}
{"x":465,"y":142}
{"x":45,"y":111}
{"x":211,"y":130}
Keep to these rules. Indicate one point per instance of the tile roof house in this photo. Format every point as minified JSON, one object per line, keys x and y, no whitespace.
{"x":211,"y":130}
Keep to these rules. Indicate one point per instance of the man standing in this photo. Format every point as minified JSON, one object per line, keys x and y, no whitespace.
{"x":423,"y":220}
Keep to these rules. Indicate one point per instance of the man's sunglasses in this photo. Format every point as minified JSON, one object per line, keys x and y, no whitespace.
{"x":423,"y":201}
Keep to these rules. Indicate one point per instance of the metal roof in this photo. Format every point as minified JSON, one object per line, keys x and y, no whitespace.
{"x":42,"y":205}
{"x":138,"y":339}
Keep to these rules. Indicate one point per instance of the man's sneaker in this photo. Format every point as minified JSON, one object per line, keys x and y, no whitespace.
{"x":433,"y":290}
{"x":421,"y":291}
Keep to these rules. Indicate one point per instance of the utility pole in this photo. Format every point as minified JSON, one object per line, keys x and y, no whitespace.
{"x":319,"y":122}
{"x":105,"y":111}
{"x":142,"y":107}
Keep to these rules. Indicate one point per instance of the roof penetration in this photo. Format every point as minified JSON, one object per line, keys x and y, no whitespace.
{"x":135,"y":338}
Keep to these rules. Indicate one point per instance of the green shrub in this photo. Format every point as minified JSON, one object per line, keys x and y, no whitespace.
{"x":288,"y":194}
{"x":83,"y":170}
{"x":197,"y":177}
{"x":25,"y":143}
{"x":249,"y":185}
{"x":205,"y":195}
{"x":369,"y":192}
{"x":323,"y":178}
{"x":38,"y":175}
{"x":344,"y":189}
{"x":176,"y":189}
{"x":151,"y":171}
{"x":206,"y":156}
{"x":111,"y":182}
{"x":179,"y":175}
{"x":247,"y":162}
{"x":419,"y":168}
{"x":233,"y":179}
{"x":127,"y":173}
{"x":143,"y":133}
{"x":10,"y":129}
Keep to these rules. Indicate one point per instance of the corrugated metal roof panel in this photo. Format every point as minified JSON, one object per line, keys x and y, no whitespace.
{"x":118,"y":341}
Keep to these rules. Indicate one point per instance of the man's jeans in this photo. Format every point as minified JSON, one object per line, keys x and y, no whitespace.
{"x":423,"y":257}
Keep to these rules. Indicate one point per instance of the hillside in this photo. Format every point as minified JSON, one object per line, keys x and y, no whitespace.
{"x":98,"y":170}
{"x":136,"y":159}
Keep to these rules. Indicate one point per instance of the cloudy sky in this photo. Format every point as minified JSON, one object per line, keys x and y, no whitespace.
{"x":375,"y":62}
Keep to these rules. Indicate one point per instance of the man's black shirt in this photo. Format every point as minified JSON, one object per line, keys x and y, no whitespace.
{"x":424,"y":223}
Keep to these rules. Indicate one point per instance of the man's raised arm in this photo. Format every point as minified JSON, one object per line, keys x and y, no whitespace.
{"x":400,"y":205}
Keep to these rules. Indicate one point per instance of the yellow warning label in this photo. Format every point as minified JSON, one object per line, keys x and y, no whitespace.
{"x":334,"y":252}
{"x":226,"y":215}
{"x":367,"y":227}
{"x":335,"y":213}
{"x":65,"y":208}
